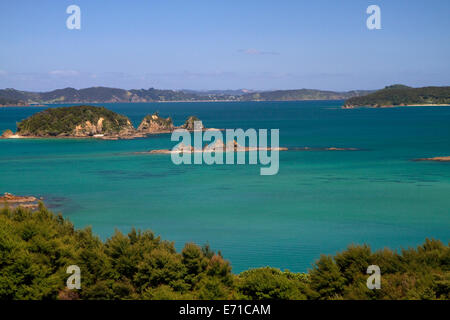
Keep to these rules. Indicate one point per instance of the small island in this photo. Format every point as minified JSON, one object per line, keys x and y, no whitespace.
{"x":438,"y":159}
{"x":11,"y":200}
{"x":92,"y":122}
{"x":216,"y":147}
{"x":400,"y":95}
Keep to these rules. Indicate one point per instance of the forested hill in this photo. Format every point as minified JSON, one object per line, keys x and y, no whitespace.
{"x":108,"y":95}
{"x":99,"y":95}
{"x":302,"y":94}
{"x":400,"y":95}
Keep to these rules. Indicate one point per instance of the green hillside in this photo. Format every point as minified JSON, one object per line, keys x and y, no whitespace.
{"x":74,"y":121}
{"x":108,"y":95}
{"x":400,"y":95}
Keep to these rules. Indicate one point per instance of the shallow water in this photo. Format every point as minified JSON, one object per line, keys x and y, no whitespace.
{"x":319,"y":202}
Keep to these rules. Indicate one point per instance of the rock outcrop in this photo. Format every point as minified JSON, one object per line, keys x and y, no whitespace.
{"x":216,"y":146}
{"x":152,"y":124}
{"x":155,"y":124}
{"x":439,"y":159}
{"x":192,"y":123}
{"x":14,"y":201}
{"x":7,"y":134}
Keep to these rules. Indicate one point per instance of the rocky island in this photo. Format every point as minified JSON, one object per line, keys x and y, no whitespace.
{"x":90,"y":121}
{"x":216,"y":147}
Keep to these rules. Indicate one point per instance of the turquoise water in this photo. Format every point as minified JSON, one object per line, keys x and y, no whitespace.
{"x":319,"y":202}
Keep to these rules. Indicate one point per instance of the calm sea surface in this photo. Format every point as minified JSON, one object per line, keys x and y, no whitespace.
{"x":319,"y":202}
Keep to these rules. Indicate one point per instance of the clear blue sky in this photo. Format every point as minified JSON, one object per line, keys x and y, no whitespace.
{"x":224,"y":44}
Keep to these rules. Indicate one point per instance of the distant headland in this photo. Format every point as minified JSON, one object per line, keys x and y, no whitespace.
{"x":400,"y":95}
{"x":91,"y":121}
{"x":391,"y":96}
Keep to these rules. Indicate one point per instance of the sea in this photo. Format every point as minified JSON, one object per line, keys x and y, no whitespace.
{"x":320,"y":202}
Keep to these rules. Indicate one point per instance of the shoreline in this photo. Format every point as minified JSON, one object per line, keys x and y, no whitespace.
{"x":435,"y":159}
{"x":242,"y":149}
{"x":144,"y":102}
{"x":110,"y":102}
{"x":189,"y":150}
{"x":397,"y":106}
{"x":101,"y":137}
{"x":23,"y":105}
{"x":14,"y":201}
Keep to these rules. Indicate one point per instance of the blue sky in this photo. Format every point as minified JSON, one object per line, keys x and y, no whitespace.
{"x":226,"y":44}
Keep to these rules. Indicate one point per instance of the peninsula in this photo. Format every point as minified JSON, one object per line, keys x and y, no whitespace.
{"x":400,"y":95}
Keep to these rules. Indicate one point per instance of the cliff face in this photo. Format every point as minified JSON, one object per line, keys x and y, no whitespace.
{"x":80,"y":121}
{"x":190,"y":124}
{"x":155,"y":124}
{"x":87,"y":129}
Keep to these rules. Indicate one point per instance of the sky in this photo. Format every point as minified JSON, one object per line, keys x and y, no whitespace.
{"x":224,"y":44}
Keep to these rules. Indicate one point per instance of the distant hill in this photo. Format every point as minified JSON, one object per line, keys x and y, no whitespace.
{"x":230,"y":92}
{"x":14,"y":97}
{"x":104,"y":95}
{"x":400,"y":95}
{"x":301,"y":94}
{"x":7,"y":101}
{"x":108,"y":95}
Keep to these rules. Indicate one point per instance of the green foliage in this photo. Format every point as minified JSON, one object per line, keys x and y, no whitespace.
{"x":62,"y":121}
{"x":271,"y":283}
{"x":37,"y":247}
{"x":397,"y":95}
{"x":421,"y":273}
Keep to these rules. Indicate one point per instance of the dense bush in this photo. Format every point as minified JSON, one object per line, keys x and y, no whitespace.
{"x":63,"y":120}
{"x":397,"y":95}
{"x":37,"y":247}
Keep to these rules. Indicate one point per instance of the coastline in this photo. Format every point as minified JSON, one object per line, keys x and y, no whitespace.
{"x":23,"y":105}
{"x":190,"y":151}
{"x":144,"y":102}
{"x":206,"y":101}
{"x":102,"y":137}
{"x":112,"y":102}
{"x":397,"y":106}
